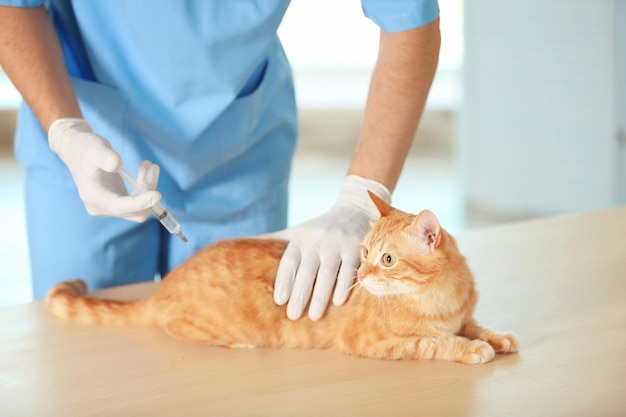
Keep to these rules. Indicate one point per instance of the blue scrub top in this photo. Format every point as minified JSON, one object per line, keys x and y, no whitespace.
{"x":201,"y":88}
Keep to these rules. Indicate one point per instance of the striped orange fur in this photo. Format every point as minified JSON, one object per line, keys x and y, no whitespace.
{"x":414,"y":299}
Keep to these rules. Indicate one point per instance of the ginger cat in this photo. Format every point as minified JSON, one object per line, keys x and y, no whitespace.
{"x":414,"y":299}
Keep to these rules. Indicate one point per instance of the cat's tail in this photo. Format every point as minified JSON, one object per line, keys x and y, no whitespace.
{"x":67,"y":300}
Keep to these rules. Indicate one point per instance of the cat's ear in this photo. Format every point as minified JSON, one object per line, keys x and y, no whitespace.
{"x":381,"y":205}
{"x":427,"y":229}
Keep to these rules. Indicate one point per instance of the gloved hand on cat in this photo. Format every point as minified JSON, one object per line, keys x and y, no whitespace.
{"x":324,"y":251}
{"x":94,"y":165}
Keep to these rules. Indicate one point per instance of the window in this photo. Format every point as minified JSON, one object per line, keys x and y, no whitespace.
{"x":332,"y":47}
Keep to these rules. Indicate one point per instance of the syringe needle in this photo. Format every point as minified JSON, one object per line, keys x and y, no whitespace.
{"x":163,"y":216}
{"x":183,"y":237}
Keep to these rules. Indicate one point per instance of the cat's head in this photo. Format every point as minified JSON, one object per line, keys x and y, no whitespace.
{"x":402,"y":253}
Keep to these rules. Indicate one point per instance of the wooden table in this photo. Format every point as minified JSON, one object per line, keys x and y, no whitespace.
{"x":559,"y":283}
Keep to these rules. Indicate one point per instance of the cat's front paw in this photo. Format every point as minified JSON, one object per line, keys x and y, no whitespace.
{"x":478,"y":352}
{"x":503,"y":343}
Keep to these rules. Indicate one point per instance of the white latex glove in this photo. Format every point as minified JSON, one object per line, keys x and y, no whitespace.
{"x":94,"y":165}
{"x":325,"y":250}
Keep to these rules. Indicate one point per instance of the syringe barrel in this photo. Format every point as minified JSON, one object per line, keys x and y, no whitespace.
{"x":166,"y":219}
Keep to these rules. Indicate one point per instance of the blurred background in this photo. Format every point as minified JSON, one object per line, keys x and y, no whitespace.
{"x":526,"y":116}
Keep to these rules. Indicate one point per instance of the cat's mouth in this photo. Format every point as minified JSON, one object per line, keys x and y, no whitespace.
{"x":381,"y":288}
{"x":371,"y":286}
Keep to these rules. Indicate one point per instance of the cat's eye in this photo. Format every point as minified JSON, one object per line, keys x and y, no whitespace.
{"x":388,"y":259}
{"x":364,"y":252}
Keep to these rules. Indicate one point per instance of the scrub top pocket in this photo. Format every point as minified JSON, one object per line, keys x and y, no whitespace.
{"x":232,"y":132}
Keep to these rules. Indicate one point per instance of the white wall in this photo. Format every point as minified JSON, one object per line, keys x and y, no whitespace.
{"x":333,"y":46}
{"x":543,"y":108}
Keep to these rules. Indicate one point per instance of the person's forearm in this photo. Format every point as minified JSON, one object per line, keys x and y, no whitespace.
{"x":31,"y":56}
{"x":400,"y":83}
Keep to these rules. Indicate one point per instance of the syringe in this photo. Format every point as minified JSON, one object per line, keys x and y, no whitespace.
{"x":167,"y":220}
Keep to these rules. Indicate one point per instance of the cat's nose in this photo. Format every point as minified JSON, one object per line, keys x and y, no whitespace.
{"x":360,"y":275}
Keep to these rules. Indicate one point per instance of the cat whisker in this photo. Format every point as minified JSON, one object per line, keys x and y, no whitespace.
{"x":351,"y":287}
{"x":383,"y":304}
{"x":390,"y":306}
{"x":400,"y":299}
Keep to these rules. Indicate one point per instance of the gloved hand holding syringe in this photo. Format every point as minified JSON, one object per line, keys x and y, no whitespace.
{"x":91,"y":161}
{"x":167,"y":220}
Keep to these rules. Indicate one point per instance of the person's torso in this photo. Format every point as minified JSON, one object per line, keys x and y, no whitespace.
{"x":194,"y":81}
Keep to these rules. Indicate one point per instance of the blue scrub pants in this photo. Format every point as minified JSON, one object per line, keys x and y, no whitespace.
{"x":66,"y":242}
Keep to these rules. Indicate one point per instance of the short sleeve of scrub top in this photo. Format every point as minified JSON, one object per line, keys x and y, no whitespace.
{"x":397,"y":15}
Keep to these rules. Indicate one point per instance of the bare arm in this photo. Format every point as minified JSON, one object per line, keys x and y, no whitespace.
{"x":404,"y":72}
{"x":30,"y":54}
